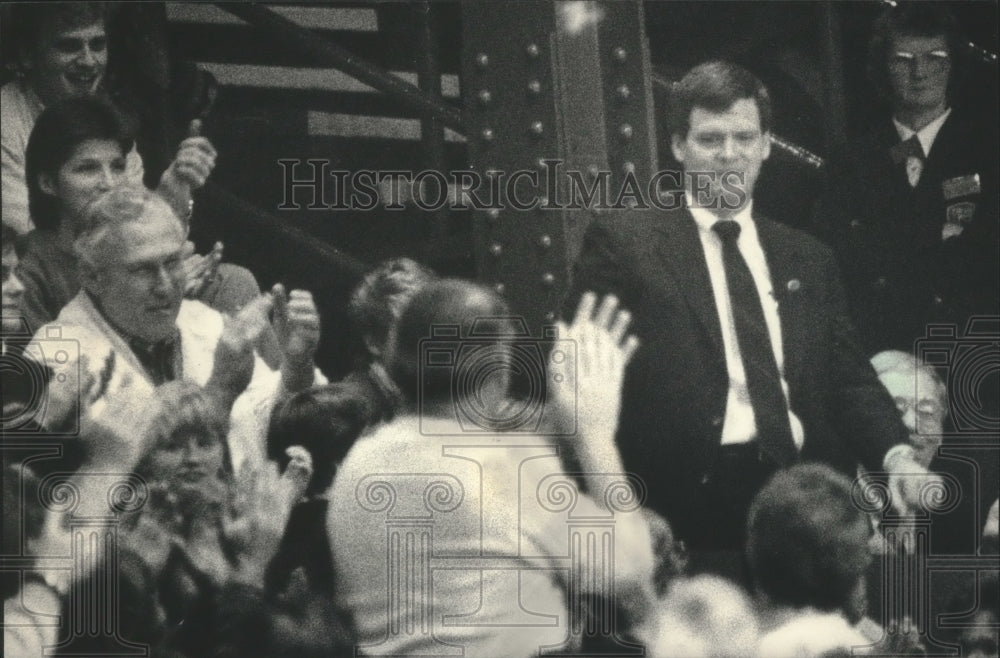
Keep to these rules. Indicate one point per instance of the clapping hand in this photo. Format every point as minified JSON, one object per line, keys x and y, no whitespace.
{"x":234,"y":353}
{"x":297,"y":326}
{"x":199,"y":270}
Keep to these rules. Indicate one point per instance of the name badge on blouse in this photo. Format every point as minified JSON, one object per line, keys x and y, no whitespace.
{"x":958,"y":215}
{"x":961,"y":186}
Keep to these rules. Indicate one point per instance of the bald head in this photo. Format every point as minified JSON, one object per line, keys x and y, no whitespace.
{"x":449,"y":312}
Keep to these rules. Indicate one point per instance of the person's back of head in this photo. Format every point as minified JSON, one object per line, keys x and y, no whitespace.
{"x":447,"y":330}
{"x":59,"y":131}
{"x":807,"y":540}
{"x":325,"y":420}
{"x":380,"y":297}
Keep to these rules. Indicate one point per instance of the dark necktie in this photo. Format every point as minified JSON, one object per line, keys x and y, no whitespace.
{"x":763,"y":379}
{"x":901,"y":154}
{"x":159,"y":358}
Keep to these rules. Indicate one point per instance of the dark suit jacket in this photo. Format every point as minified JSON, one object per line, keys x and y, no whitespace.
{"x":899,"y":273}
{"x":676,"y":385}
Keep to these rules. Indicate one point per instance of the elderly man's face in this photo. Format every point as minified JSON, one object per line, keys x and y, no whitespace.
{"x":68,"y":62}
{"x":13,"y":291}
{"x":141,"y":283}
{"x":722,"y":154}
{"x":923,"y":413}
{"x":918,"y":71}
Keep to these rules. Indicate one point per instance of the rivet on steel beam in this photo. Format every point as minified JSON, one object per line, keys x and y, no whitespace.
{"x":544,"y":241}
{"x":482,"y":60}
{"x":537,"y":128}
{"x":629,"y":167}
{"x":500,"y":288}
{"x":485,"y":97}
{"x":487,"y":134}
{"x":496,"y":249}
{"x":625,"y":131}
{"x":532,"y":50}
{"x":624,"y":92}
{"x":493,"y":214}
{"x":620,"y":54}
{"x":534,"y":87}
{"x":548,"y":278}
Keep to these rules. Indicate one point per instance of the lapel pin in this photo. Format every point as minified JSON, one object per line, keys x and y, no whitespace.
{"x":794,"y":285}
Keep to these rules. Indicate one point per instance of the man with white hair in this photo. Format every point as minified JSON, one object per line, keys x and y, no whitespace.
{"x":130,"y":328}
{"x":920,"y":396}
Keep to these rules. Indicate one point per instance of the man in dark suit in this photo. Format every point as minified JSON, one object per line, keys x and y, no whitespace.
{"x":913,"y":207}
{"x":748,"y":361}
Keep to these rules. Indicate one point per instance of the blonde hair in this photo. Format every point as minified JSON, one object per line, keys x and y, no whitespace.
{"x":181,"y":406}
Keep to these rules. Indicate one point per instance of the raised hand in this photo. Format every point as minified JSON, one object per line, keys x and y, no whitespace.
{"x":234,"y":353}
{"x":586,"y":379}
{"x":264,"y":501}
{"x":295,"y":480}
{"x":190,"y":169}
{"x":200,"y":270}
{"x":297,"y":326}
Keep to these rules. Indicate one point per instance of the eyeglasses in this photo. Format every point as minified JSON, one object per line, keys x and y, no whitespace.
{"x":924,"y":408}
{"x":935,"y":59}
{"x":151,"y":272}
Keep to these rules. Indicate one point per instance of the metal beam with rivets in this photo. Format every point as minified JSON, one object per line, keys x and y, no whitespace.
{"x":547,"y":82}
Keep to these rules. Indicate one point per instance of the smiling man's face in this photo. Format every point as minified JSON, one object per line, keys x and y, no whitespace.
{"x":68,"y":62}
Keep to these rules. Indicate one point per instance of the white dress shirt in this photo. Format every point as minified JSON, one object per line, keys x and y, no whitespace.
{"x":740,"y":425}
{"x":926,"y":137}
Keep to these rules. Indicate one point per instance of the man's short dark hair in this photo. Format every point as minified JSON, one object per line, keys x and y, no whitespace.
{"x":807,"y":540}
{"x":914,"y":19}
{"x":325,"y":420}
{"x":60,"y":129}
{"x":28,"y":19}
{"x":477,"y":311}
{"x":715,"y":86}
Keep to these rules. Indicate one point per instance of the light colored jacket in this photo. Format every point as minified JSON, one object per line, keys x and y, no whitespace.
{"x":91,"y":363}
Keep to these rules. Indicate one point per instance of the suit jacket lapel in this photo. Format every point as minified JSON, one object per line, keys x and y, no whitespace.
{"x":786,"y":262}
{"x":683,"y":255}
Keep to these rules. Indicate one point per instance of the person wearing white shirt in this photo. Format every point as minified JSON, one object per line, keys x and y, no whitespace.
{"x":748,"y":362}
